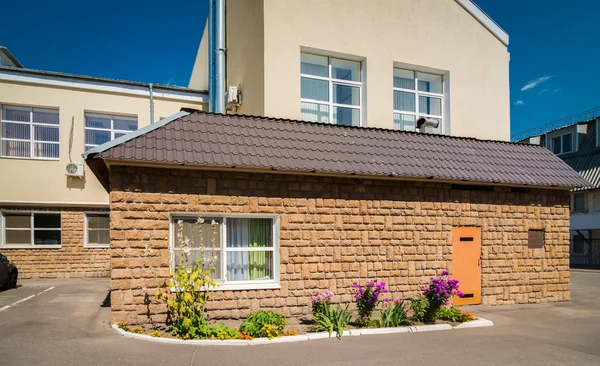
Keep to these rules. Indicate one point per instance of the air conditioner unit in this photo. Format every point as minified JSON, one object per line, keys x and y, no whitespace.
{"x":233,"y":98}
{"x":74,"y":170}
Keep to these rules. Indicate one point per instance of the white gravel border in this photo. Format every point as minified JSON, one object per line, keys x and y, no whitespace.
{"x":305,"y":337}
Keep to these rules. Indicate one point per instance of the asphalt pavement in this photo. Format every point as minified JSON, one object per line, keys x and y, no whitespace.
{"x":66,"y":322}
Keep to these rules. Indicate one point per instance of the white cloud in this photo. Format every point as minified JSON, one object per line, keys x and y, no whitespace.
{"x":542,"y":91}
{"x":556,"y":90}
{"x":519,"y":102}
{"x":533,"y":83}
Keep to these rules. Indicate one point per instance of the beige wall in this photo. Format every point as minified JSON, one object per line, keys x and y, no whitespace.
{"x":245,"y":53}
{"x":438,"y":35}
{"x":199,"y":77}
{"x":30,"y":180}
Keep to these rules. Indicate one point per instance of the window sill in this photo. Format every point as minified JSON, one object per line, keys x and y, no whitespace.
{"x":29,"y":158}
{"x":26,"y":246}
{"x":242,"y":287}
{"x":97,"y":246}
{"x":248,"y":286}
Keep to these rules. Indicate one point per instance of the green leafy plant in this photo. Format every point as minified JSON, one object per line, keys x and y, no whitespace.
{"x":418,"y":305}
{"x":124,"y":326}
{"x":393,"y":314}
{"x":189,"y":287}
{"x":333,"y":319}
{"x":449,"y":313}
{"x":254,"y":325}
{"x":454,"y":315}
{"x":223,"y":332}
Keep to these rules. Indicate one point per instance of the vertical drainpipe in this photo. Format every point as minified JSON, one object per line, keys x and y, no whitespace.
{"x":211,"y":55}
{"x":151,"y":103}
{"x":219,"y":56}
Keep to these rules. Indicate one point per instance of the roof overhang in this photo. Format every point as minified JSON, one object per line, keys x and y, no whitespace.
{"x":72,"y":81}
{"x":101,"y":168}
{"x":485,"y":20}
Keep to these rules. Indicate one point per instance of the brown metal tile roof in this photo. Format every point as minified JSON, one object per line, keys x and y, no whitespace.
{"x":236,"y":141}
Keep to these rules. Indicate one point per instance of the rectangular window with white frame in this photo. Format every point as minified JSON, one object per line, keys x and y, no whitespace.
{"x":29,"y":132}
{"x":97,"y":230}
{"x":245,"y":252}
{"x":417,"y":94}
{"x":101,"y":128}
{"x":331,"y":90}
{"x":562,"y":144}
{"x":31,"y":230}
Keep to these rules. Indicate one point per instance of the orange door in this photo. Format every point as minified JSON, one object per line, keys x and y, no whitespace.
{"x":466,"y":264}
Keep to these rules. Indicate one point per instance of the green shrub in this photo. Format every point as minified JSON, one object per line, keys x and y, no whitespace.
{"x":394,"y":315}
{"x":419,"y":305}
{"x":454,"y":315}
{"x":254,"y":325}
{"x":333,"y":319}
{"x":449,"y":313}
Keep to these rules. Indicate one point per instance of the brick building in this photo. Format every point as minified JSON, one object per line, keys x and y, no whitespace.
{"x":307,"y":207}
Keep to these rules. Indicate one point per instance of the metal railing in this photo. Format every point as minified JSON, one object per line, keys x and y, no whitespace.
{"x":559,"y":123}
{"x":585,"y":253}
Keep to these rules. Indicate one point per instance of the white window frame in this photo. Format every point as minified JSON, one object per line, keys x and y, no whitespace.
{"x":32,"y":141}
{"x":223,"y":284}
{"x":562,"y":136}
{"x":3,"y":243}
{"x":112,"y":129}
{"x":86,"y":228}
{"x":419,"y":93}
{"x":331,"y":80}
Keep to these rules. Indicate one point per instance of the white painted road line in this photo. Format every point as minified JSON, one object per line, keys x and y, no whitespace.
{"x":25,"y":299}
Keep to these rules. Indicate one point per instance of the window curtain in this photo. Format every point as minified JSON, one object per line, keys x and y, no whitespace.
{"x":246,"y":265}
{"x":259,"y":235}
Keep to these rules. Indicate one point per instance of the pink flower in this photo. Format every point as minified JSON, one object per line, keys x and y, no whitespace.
{"x":186,"y":251}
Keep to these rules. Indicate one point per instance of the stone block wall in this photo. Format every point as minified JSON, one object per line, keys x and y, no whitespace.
{"x":335,"y":231}
{"x":71,"y":260}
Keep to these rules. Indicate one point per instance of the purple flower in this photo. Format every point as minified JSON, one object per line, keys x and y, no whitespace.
{"x":445,"y":273}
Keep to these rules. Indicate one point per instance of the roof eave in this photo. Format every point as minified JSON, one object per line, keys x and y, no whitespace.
{"x":119,"y":162}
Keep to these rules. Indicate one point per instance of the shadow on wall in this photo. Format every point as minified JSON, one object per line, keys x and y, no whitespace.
{"x":75,"y":183}
{"x":267,"y":185}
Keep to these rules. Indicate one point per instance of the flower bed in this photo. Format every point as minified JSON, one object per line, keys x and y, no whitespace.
{"x":189,"y":290}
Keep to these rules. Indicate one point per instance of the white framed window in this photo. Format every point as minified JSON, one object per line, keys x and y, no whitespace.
{"x":29,"y":132}
{"x":246,"y":248}
{"x":31,"y":230}
{"x":331,"y":90}
{"x":101,"y":128}
{"x":562,"y":144}
{"x":417,"y":94}
{"x":97,"y":230}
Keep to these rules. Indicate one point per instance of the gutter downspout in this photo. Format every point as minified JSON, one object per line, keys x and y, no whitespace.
{"x":220,"y":56}
{"x":151,"y":103}
{"x":211,"y":55}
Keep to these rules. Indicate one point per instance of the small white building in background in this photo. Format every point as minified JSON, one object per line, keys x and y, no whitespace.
{"x":578,"y":144}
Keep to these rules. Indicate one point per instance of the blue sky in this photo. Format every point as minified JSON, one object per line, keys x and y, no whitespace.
{"x":554,"y":46}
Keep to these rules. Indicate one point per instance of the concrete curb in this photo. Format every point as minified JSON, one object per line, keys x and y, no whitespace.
{"x":475,"y":324}
{"x":305,"y":337}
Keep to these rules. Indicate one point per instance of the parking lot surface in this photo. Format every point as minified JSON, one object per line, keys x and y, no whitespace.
{"x":66,"y":322}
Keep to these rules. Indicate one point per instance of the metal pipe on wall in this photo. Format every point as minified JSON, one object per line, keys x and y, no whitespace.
{"x":151,"y":103}
{"x":211,"y":55}
{"x":220,"y":56}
